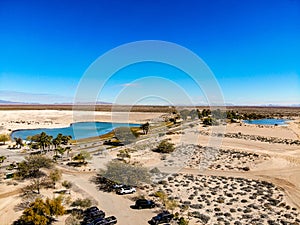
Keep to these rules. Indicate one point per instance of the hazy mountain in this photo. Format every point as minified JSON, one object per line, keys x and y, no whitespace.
{"x":32,"y":98}
{"x":8,"y":102}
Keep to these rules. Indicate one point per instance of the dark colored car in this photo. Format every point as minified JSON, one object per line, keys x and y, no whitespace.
{"x":92,"y":215}
{"x":113,"y":143}
{"x":164,"y":217}
{"x":107,"y":221}
{"x":144,"y":203}
{"x":91,"y":209}
{"x":96,"y":214}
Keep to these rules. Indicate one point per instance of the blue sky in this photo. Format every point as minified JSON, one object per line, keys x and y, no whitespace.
{"x":251,"y":46}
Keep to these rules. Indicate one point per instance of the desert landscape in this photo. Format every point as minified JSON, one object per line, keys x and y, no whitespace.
{"x":251,"y":176}
{"x":149,"y":112}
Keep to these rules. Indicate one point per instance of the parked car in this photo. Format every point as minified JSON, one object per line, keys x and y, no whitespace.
{"x":91,"y":209}
{"x":92,"y":214}
{"x":164,"y":217}
{"x":97,"y":214}
{"x":126,"y":190}
{"x":144,"y":203}
{"x":107,"y":221}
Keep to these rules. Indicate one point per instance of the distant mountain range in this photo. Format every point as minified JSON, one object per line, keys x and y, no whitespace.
{"x":23,"y":98}
{"x":8,"y":102}
{"x":15,"y":97}
{"x":4,"y":102}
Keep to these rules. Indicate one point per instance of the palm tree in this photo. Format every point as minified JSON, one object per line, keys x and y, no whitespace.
{"x":61,"y":151}
{"x":68,"y":149}
{"x":29,"y":138}
{"x":50,"y":141}
{"x":19,"y":142}
{"x":65,"y":139}
{"x":44,"y":140}
{"x":58,"y":140}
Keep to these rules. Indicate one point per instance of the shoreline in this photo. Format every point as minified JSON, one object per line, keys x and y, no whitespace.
{"x":284,"y":122}
{"x":92,"y":137}
{"x":48,"y":119}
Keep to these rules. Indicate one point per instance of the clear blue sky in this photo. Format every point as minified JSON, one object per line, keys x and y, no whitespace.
{"x":252,"y":47}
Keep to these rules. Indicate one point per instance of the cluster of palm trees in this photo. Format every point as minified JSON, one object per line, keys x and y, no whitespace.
{"x":47,"y":142}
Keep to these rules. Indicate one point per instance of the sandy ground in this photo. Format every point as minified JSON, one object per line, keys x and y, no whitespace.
{"x":277,"y":163}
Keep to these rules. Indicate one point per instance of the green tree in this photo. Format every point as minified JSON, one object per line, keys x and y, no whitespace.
{"x":68,"y":149}
{"x":83,"y":156}
{"x":58,"y":140}
{"x":199,"y":114}
{"x":55,"y":206}
{"x":193,"y":114}
{"x":123,"y":173}
{"x":184,"y":114}
{"x":36,"y":184}
{"x":32,"y":164}
{"x":205,"y":112}
{"x":36,"y":214}
{"x":40,"y":212}
{"x":43,"y":140}
{"x":126,"y":135}
{"x":209,"y":121}
{"x":165,"y":147}
{"x":55,"y":176}
{"x":218,"y":114}
{"x":4,"y":138}
{"x":19,"y":142}
{"x":61,"y":151}
{"x":66,"y":139}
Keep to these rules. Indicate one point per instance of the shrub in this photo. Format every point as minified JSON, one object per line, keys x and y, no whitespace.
{"x":165,"y":147}
{"x":82,"y":203}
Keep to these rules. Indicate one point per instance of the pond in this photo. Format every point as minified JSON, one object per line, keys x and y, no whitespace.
{"x":267,"y":122}
{"x":76,"y":130}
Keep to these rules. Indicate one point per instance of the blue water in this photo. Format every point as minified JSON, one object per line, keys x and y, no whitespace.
{"x":76,"y":130}
{"x":267,"y":122}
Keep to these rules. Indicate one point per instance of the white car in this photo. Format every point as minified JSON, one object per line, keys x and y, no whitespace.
{"x":126,"y":190}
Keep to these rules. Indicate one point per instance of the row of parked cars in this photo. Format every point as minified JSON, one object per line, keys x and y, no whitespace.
{"x":94,"y":216}
{"x":163,"y":217}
